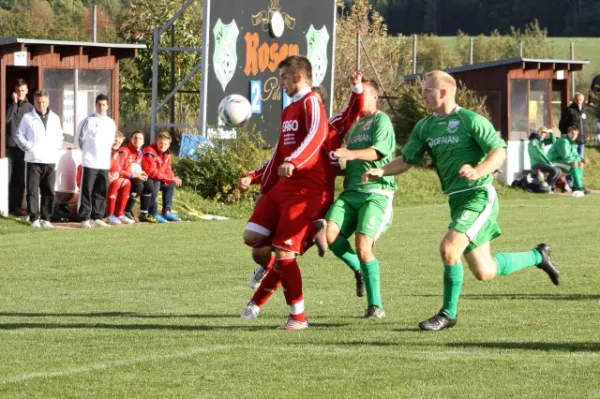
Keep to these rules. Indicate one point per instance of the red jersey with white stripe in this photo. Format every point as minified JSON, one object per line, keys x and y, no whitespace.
{"x":132,"y":156}
{"x":119,"y":163}
{"x":302,"y":134}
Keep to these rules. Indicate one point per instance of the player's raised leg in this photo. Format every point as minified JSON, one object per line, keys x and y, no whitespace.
{"x":263,"y":257}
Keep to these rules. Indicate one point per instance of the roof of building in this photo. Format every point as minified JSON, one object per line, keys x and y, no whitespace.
{"x":504,"y":62}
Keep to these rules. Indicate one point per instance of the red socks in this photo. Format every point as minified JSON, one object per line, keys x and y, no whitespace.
{"x":291,"y":280}
{"x":267,"y":287}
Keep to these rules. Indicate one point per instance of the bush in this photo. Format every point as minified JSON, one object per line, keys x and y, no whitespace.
{"x":216,"y":174}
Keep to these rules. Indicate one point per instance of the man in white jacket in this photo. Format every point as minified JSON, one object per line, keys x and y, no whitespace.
{"x":95,"y":137}
{"x":40,"y":136}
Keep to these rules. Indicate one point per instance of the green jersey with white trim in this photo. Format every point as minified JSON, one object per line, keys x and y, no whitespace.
{"x":372,"y":131}
{"x":461,"y":137}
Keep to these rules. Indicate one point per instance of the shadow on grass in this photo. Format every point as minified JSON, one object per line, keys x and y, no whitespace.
{"x":534,"y":346}
{"x":521,"y":297}
{"x":91,"y":326}
{"x":121,"y":314}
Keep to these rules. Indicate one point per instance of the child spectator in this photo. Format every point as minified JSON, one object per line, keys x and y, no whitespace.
{"x":140,"y":186}
{"x":156,"y":162}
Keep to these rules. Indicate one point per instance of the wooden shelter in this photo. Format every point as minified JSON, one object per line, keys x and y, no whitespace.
{"x":73,"y":73}
{"x":521,"y":94}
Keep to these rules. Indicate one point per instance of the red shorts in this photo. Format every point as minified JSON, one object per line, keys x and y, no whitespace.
{"x":287,"y":217}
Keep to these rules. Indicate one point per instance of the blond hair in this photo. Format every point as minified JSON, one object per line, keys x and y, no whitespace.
{"x":544,"y":129}
{"x":442,"y":79}
{"x":164,"y":135}
{"x":120,"y":134}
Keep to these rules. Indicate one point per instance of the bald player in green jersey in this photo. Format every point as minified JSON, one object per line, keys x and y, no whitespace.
{"x":466,"y":150}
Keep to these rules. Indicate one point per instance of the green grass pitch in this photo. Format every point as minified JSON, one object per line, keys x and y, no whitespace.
{"x":154,"y":312}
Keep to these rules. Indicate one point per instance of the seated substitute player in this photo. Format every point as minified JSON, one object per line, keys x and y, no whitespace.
{"x":364,"y":209}
{"x":118,"y":184}
{"x":287,"y":210}
{"x":140,"y":186}
{"x":339,"y":124}
{"x":564,"y":155}
{"x":466,"y":150}
{"x":537,"y":155}
{"x":157,"y":164}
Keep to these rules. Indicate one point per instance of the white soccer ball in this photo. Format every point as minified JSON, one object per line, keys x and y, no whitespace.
{"x":135,"y":168}
{"x":235,"y":110}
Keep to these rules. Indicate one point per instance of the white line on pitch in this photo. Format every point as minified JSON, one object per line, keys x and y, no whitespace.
{"x":400,"y":352}
{"x":116,"y":363}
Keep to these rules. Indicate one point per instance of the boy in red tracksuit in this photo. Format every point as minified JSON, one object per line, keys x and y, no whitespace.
{"x":156,"y":162}
{"x":140,"y":186}
{"x":339,"y":125}
{"x":287,"y":210}
{"x":118,"y":184}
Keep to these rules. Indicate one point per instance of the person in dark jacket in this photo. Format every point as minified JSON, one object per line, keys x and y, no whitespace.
{"x":574,"y":115}
{"x":18,"y":106}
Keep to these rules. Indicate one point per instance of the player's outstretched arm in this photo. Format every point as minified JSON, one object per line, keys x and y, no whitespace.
{"x":367,"y":154}
{"x":397,"y":166}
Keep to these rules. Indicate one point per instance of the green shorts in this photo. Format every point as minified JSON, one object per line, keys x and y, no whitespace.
{"x":367,"y":213}
{"x":474,"y":213}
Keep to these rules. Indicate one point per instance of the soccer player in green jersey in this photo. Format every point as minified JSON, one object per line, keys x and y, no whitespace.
{"x":466,"y":150}
{"x":364,"y":209}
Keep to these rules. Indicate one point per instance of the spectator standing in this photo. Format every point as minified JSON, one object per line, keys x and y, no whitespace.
{"x":574,"y":115}
{"x":95,"y":137}
{"x":157,"y":164}
{"x":40,"y":137}
{"x":18,"y":106}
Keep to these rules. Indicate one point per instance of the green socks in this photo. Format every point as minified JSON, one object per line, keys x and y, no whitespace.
{"x":577,"y":174}
{"x":511,"y":262}
{"x":343,"y":250}
{"x":507,"y":263}
{"x":370,"y":272}
{"x":453,"y":278}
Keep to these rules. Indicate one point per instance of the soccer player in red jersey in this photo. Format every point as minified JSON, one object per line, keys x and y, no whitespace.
{"x":261,"y":254}
{"x":287,"y":210}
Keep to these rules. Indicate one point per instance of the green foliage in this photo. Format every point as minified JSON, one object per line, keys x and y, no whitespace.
{"x":411,"y":107}
{"x":136,"y":25}
{"x":391,"y":56}
{"x":433,"y":54}
{"x":216,"y":174}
